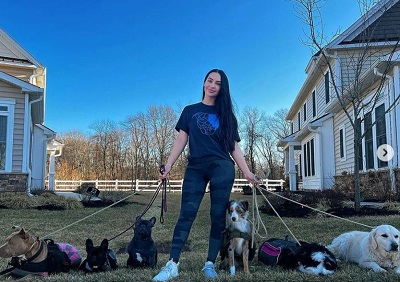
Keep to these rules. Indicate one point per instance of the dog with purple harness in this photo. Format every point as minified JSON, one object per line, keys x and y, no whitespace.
{"x":311,"y":258}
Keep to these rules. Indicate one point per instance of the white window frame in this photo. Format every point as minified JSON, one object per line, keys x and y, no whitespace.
{"x":329,"y":87}
{"x":374,"y":138}
{"x":10,"y":104}
{"x":343,"y":128}
{"x":304,"y":158}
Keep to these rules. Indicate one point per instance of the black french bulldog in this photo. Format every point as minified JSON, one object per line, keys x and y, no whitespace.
{"x":142,"y":250}
{"x":99,"y":258}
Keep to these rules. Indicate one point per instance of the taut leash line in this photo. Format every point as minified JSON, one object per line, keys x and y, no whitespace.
{"x":303,"y":205}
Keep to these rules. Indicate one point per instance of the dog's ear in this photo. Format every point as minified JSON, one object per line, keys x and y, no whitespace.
{"x":104,"y":244}
{"x":372,"y":239}
{"x":245,"y":204}
{"x":89,"y":244}
{"x":23,"y":233}
{"x":152,"y":221}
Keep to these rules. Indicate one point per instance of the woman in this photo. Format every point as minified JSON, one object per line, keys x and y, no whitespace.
{"x":212,"y":130}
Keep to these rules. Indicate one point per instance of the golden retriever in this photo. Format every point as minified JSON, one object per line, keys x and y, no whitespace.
{"x":376,"y":250}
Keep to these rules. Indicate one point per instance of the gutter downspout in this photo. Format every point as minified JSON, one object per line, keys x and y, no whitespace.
{"x":396,"y":82}
{"x":321,"y":172}
{"x":28,"y":135}
{"x":28,"y":131}
{"x":392,"y":126}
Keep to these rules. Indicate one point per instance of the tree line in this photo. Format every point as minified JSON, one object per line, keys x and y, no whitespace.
{"x":135,"y":147}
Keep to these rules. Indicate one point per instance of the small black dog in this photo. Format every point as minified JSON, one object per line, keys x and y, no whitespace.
{"x":99,"y":258}
{"x":311,"y":258}
{"x":142,"y":250}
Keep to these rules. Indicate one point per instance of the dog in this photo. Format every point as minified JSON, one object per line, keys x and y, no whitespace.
{"x":142,"y":250}
{"x":310,"y":258}
{"x":99,"y":258}
{"x":41,"y":257}
{"x":376,"y":250}
{"x":237,"y":242}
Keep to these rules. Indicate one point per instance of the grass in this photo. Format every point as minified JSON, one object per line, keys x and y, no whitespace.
{"x":112,"y":221}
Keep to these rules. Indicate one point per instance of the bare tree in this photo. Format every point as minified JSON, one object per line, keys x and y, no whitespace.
{"x":251,"y":128}
{"x":278,"y":125}
{"x":103,"y":139}
{"x":76,"y":160}
{"x":354,"y":80}
{"x":162,"y":122}
{"x":273,"y":129}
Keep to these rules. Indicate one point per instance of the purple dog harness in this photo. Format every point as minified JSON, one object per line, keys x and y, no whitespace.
{"x":270,"y":251}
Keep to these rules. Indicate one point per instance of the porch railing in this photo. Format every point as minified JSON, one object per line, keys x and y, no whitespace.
{"x":149,"y":185}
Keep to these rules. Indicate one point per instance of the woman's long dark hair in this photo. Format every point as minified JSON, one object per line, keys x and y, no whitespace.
{"x":227,"y":119}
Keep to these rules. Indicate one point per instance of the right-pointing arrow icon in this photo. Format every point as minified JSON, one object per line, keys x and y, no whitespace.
{"x":385,"y":152}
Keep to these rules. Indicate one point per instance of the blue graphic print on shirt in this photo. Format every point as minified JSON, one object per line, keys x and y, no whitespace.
{"x":207,"y":123}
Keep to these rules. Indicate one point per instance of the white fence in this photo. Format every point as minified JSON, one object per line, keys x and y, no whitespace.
{"x":149,"y":185}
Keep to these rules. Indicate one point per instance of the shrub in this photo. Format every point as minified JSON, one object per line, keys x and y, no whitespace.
{"x":41,"y":200}
{"x":374,"y":186}
{"x":295,"y":203}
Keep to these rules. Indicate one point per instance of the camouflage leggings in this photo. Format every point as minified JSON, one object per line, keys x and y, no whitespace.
{"x":220,"y":174}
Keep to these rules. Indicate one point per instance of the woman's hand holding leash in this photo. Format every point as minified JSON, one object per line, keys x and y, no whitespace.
{"x":252,"y":178}
{"x":164,"y":170}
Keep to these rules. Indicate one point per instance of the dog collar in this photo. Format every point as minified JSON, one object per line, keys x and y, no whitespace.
{"x":36,"y":254}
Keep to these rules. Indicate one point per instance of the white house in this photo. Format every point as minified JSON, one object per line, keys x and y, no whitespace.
{"x":321,"y":144}
{"x":23,"y":136}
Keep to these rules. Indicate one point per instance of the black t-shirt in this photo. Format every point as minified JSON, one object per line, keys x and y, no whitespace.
{"x":201,"y":123}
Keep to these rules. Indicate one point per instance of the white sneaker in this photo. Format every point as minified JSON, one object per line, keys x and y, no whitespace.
{"x":169,"y":271}
{"x":209,"y":270}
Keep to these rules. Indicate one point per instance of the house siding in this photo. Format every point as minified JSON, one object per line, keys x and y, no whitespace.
{"x":5,"y":51}
{"x":349,"y":58}
{"x":385,"y":28}
{"x":328,"y":161}
{"x":347,"y":165}
{"x":319,"y":89}
{"x":342,"y":119}
{"x":23,"y":74}
{"x":8,"y":91}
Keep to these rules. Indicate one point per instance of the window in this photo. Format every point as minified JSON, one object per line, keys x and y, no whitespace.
{"x":298,"y":120}
{"x":369,"y":143}
{"x":327,"y":92}
{"x":291,"y":127}
{"x":305,"y":112}
{"x":360,"y":152}
{"x":374,"y":135}
{"x":380,"y":130}
{"x":342,"y":142}
{"x":3,"y":141}
{"x":6,"y":133}
{"x":314,"y":105}
{"x":309,"y":158}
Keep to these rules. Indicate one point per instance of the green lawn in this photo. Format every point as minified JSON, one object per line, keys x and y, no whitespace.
{"x":112,"y":221}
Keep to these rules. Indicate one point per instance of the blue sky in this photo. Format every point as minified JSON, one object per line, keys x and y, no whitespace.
{"x":113,"y":59}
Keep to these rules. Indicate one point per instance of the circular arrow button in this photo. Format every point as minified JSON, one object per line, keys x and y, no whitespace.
{"x":385,"y":152}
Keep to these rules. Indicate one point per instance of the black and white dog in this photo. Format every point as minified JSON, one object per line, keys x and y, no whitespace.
{"x":142,"y":250}
{"x":311,"y":258}
{"x":99,"y":258}
{"x":237,"y":248}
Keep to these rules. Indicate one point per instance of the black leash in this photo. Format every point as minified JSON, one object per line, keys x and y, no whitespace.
{"x":8,"y":270}
{"x":163,"y":195}
{"x":162,"y":185}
